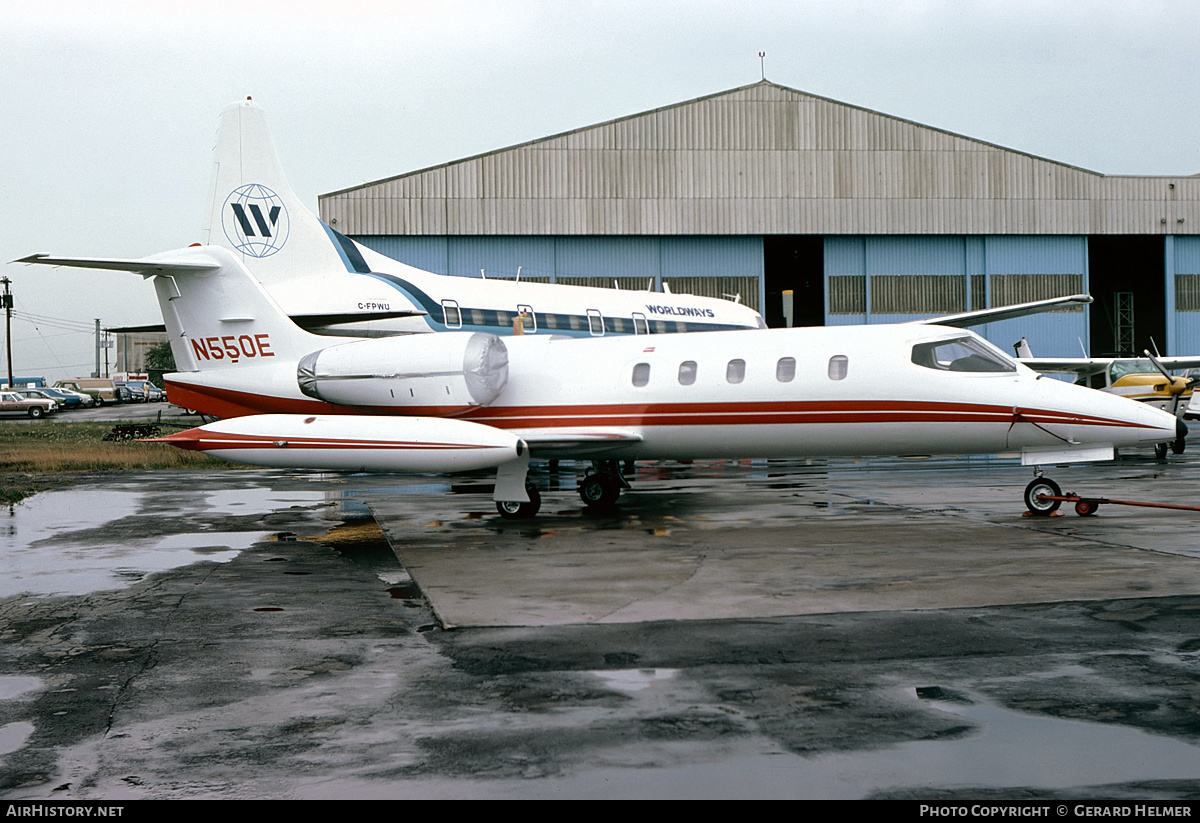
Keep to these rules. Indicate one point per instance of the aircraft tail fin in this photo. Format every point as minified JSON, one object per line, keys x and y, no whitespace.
{"x":253,"y":211}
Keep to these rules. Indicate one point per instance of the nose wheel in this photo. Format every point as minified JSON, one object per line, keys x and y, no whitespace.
{"x":514,"y":510}
{"x":1039,"y":487}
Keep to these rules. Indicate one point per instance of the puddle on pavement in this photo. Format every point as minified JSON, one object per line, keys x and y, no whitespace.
{"x":1007,"y":750}
{"x":14,"y":735}
{"x":37,"y":567}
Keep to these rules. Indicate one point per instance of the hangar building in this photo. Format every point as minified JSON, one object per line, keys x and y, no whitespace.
{"x":864,"y":216}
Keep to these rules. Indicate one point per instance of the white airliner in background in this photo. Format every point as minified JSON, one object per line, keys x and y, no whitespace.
{"x":468,"y":400}
{"x":330,"y":284}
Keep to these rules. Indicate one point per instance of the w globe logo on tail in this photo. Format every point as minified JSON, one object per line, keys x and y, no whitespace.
{"x":255,"y":220}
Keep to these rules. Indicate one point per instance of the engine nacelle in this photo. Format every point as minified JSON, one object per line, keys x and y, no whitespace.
{"x":447,"y":371}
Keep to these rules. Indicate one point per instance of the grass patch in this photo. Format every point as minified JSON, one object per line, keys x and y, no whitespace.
{"x":30,"y":453}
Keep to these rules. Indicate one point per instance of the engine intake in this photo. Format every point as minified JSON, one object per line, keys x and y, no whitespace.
{"x":430,"y":373}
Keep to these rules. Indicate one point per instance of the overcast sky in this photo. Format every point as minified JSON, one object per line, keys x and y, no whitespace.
{"x":110,"y":108}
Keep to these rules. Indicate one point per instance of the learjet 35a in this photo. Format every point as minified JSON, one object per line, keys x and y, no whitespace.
{"x":470,"y":400}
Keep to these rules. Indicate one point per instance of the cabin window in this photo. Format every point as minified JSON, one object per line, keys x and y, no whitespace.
{"x":616,"y":325}
{"x":962,"y":354}
{"x":735,"y":371}
{"x":501,"y":318}
{"x":595,"y":322}
{"x":451,"y":316}
{"x":528,"y":318}
{"x":640,"y":324}
{"x":785,"y":369}
{"x":641,"y":374}
{"x":574,"y":322}
{"x":550,"y":320}
{"x":477,"y":317}
{"x":839,"y":365}
{"x":687,"y":372}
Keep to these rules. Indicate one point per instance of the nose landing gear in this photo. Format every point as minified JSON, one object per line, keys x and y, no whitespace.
{"x":1039,"y":496}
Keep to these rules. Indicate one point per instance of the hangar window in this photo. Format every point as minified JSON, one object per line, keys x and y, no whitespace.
{"x":785,"y":369}
{"x":964,"y":354}
{"x":839,"y":366}
{"x":687,"y":372}
{"x":641,"y":374}
{"x":735,"y":371}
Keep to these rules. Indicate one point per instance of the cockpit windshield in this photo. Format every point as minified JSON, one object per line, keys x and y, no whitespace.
{"x":1120,"y":368}
{"x":962,"y":354}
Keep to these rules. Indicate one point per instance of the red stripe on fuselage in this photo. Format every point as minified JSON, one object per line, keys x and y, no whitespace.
{"x":226,"y":403}
{"x":201,"y":440}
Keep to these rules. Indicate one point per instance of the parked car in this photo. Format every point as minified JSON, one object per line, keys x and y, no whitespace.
{"x":64,"y":401}
{"x":146,"y":391}
{"x":86,"y":401}
{"x":13,"y":403}
{"x":101,"y":389}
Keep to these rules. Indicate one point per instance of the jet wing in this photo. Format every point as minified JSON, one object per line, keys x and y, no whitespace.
{"x":577,"y":444}
{"x":145,"y":266}
{"x":979,"y":316}
{"x":350,"y":324}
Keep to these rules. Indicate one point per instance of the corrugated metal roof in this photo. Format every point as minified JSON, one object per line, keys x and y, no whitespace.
{"x":762,"y":159}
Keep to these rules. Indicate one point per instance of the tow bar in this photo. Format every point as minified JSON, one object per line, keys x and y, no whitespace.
{"x":1086,"y":506}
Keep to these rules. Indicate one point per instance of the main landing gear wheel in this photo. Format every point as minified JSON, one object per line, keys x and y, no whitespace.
{"x":1178,"y":445}
{"x":599,"y":490}
{"x":1160,"y":450}
{"x":1086,"y":508}
{"x":514,"y":510}
{"x":1042,"y":486}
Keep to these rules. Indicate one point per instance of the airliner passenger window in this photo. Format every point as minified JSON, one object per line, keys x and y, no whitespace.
{"x":641,"y":374}
{"x":963,"y":354}
{"x":451,"y":315}
{"x":839,"y":365}
{"x":687,"y":372}
{"x":640,"y":324}
{"x":785,"y":369}
{"x":735,"y":371}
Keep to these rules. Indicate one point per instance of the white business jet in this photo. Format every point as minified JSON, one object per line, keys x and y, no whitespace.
{"x":470,"y":400}
{"x":330,"y":284}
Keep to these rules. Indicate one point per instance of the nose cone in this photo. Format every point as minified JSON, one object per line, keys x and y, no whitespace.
{"x":1101,"y":418}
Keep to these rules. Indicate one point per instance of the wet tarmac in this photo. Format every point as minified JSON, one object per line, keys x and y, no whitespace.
{"x":839,"y":629}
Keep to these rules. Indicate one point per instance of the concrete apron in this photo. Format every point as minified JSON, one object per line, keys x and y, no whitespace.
{"x":734,"y":544}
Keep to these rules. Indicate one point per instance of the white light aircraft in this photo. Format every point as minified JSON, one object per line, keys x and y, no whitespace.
{"x":330,"y":284}
{"x":469,"y":400}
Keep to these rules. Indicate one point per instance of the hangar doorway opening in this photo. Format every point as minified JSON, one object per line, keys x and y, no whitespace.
{"x":796,"y":262}
{"x":1127,"y":282}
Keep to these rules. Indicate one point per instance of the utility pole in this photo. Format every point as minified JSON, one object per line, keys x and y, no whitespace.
{"x":6,"y":300}
{"x":96,"y":373}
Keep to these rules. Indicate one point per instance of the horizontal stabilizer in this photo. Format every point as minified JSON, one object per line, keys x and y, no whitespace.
{"x":145,"y":266}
